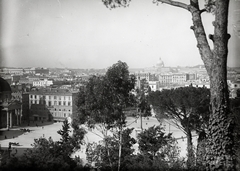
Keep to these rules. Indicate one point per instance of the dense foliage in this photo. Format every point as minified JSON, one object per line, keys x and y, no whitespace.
{"x":235,"y":106}
{"x":47,"y":154}
{"x":104,"y":98}
{"x":187,"y":107}
{"x":98,"y":152}
{"x":220,"y":142}
{"x":152,"y":139}
{"x":157,"y":151}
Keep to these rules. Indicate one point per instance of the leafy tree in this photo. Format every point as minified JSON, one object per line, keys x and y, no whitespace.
{"x":47,"y":154}
{"x":158,"y":151}
{"x":188,"y":107}
{"x":142,"y":103}
{"x":235,"y":106}
{"x":97,"y":152}
{"x":70,"y":143}
{"x":104,"y":99}
{"x":220,"y":153}
{"x":152,"y":139}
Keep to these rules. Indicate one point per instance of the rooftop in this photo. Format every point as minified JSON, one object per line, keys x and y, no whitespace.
{"x":53,"y":91}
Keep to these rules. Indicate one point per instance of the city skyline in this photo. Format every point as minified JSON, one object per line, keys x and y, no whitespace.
{"x":85,"y":34}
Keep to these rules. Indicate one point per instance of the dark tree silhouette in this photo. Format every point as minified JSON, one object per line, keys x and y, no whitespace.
{"x":189,"y":109}
{"x":104,"y":100}
{"x":220,"y":153}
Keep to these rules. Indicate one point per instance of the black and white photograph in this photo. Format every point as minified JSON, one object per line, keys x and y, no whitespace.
{"x":120,"y":85}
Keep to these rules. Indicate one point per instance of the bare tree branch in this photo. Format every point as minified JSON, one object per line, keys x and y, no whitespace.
{"x":173,"y":3}
{"x":202,"y":44}
{"x":203,"y":10}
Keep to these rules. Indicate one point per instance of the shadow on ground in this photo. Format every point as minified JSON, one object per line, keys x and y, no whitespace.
{"x":19,"y":130}
{"x":10,"y":134}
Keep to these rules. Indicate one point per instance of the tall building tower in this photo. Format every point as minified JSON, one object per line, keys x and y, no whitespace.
{"x":160,"y":65}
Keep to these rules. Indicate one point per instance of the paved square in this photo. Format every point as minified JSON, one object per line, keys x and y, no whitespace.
{"x":47,"y":129}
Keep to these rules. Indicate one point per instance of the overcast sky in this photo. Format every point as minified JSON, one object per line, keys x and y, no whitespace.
{"x":86,"y":34}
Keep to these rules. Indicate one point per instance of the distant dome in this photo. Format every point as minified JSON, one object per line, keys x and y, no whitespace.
{"x":160,"y":63}
{"x":4,"y":86}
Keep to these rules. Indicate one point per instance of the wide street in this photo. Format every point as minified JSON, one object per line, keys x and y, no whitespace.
{"x":47,"y":129}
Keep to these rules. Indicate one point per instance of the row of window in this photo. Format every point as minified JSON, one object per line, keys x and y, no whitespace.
{"x":56,"y":114}
{"x":50,"y":97}
{"x":173,"y":81}
{"x":51,"y":103}
{"x":42,"y":109}
{"x":62,"y":110}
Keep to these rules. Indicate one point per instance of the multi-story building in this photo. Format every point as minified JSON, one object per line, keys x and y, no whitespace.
{"x":29,"y":70}
{"x":16,"y":71}
{"x":24,"y":80}
{"x":16,"y":78}
{"x":179,"y":78}
{"x":31,"y":79}
{"x":42,"y":83}
{"x":170,"y":79}
{"x":42,"y":71}
{"x":198,"y":84}
{"x":191,"y":76}
{"x":52,"y":104}
{"x":154,"y":85}
{"x":143,"y":75}
{"x":165,"y":79}
{"x":10,"y":109}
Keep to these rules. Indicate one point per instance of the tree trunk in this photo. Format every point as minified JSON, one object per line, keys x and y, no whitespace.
{"x":220,"y":140}
{"x":220,"y":155}
{"x":104,"y":132}
{"x":109,"y":157}
{"x":141,"y":127}
{"x":190,"y":152}
{"x":201,"y":151}
{"x":220,"y":130}
{"x":120,"y":150}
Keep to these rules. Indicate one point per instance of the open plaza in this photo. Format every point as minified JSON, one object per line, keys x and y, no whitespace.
{"x":22,"y":137}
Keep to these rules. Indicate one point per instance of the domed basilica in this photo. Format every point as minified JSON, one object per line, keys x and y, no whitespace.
{"x":158,"y":68}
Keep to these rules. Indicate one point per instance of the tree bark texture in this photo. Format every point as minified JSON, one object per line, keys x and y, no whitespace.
{"x":120,"y":150}
{"x":201,"y":151}
{"x":220,"y":155}
{"x":190,"y":152}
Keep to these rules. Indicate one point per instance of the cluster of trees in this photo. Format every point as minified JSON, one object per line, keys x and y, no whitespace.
{"x":104,"y":100}
{"x":220,"y":153}
{"x":47,"y":154}
{"x":103,"y":104}
{"x":157,"y":151}
{"x":188,"y":109}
